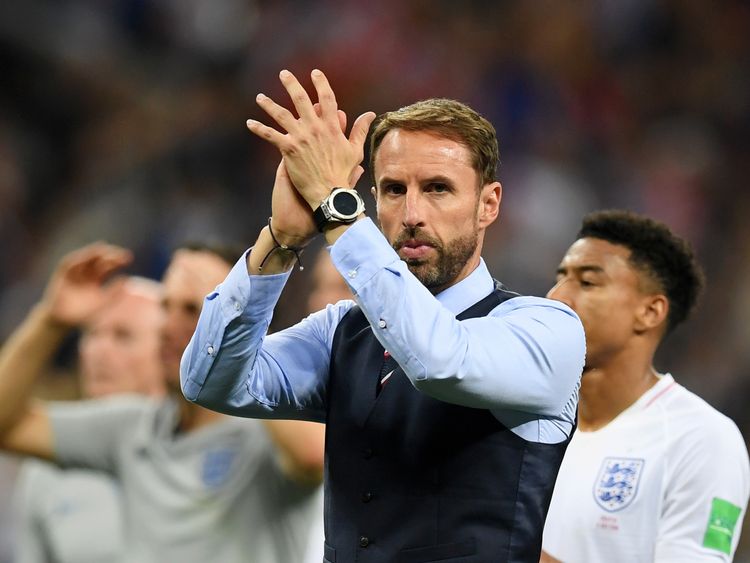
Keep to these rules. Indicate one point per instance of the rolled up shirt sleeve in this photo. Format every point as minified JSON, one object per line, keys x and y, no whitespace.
{"x":231,"y":365}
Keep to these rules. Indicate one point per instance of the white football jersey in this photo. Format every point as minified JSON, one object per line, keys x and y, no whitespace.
{"x":667,"y":480}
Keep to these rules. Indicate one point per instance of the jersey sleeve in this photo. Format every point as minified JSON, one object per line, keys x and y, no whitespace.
{"x":88,"y":434}
{"x":706,"y":494}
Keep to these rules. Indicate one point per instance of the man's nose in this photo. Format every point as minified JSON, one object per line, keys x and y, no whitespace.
{"x":561,"y":292}
{"x":96,"y":347}
{"x":413,"y":209}
{"x":170,"y":323}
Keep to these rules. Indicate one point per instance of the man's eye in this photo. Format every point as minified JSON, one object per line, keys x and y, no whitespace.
{"x":437,"y":188}
{"x":123,"y":335}
{"x":394,"y":189}
{"x":192,"y":309}
{"x":587,"y":283}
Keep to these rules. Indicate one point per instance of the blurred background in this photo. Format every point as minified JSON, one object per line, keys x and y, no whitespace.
{"x":123,"y":120}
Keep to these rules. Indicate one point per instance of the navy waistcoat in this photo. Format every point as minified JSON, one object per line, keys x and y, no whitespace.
{"x":409,"y":478}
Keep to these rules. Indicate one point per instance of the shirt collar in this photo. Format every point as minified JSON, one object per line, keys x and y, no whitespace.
{"x":476,"y":286}
{"x":664,"y":384}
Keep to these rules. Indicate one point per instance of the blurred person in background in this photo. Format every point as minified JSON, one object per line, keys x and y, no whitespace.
{"x":328,"y":288}
{"x":445,"y":428}
{"x":119,"y":352}
{"x":9,"y":468}
{"x":653,"y":473}
{"x":195,"y":485}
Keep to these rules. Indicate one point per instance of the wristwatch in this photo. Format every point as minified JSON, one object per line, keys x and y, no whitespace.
{"x":341,"y":206}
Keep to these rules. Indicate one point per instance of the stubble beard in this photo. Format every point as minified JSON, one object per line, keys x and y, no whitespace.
{"x":440,"y":271}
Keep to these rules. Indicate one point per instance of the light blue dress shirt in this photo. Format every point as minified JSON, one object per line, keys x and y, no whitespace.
{"x":523,"y":361}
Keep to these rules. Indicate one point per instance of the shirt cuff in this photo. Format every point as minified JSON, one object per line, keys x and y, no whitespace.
{"x":361,"y":252}
{"x":236,"y":291}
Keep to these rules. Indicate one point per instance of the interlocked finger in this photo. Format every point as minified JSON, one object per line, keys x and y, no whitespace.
{"x":279,"y":114}
{"x":340,"y":113}
{"x":268,"y":133}
{"x":297,"y":93}
{"x":326,"y":97}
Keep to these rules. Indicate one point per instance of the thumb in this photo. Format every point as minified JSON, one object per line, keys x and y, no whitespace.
{"x":355,"y":176}
{"x":360,"y":128}
{"x":339,"y":113}
{"x":281,"y":171}
{"x":342,"y":120}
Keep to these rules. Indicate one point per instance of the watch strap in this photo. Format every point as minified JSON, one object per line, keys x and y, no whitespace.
{"x":321,"y":216}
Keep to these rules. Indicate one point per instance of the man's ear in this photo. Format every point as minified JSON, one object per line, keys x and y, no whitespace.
{"x":374,"y":192}
{"x":489,"y":203}
{"x":652,"y":313}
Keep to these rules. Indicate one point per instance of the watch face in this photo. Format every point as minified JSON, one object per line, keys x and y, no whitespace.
{"x":345,"y":203}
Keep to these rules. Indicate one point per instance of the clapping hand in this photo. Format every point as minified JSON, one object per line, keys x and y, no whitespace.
{"x":317,"y":154}
{"x":81,"y":284}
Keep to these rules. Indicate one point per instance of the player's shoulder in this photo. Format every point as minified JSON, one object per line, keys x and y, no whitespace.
{"x":133,"y":405}
{"x":693,"y":419}
{"x":38,"y":472}
{"x":40,"y":480}
{"x":116,"y":406}
{"x":548,"y":312}
{"x":683,"y":403}
{"x":517,"y":302}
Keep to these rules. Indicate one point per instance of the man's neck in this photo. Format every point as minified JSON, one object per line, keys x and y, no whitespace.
{"x":608,"y":391}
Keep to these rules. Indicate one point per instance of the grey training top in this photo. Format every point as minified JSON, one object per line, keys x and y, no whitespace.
{"x":216,"y":494}
{"x":55,"y":506}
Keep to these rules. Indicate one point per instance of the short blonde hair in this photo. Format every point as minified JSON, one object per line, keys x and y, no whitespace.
{"x":447,"y":118}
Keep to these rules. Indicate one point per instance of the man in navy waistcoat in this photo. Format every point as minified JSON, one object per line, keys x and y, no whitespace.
{"x":448,"y":399}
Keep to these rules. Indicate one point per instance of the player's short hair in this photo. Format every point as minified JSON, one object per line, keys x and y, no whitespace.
{"x":445,"y":118}
{"x":656,"y":251}
{"x":228,"y":252}
{"x":146,"y":288}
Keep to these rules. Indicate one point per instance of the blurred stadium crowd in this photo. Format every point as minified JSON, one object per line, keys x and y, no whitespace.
{"x":123,"y":120}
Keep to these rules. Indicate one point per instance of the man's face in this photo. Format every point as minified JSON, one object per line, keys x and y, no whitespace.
{"x":189,"y":278}
{"x":430,"y":206}
{"x":597,"y":281}
{"x":119,"y":349}
{"x":328,"y":285}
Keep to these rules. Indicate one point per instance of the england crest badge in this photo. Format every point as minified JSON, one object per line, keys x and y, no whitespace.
{"x":217,"y":465}
{"x":617,"y":482}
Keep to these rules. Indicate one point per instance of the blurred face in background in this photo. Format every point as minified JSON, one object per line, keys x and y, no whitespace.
{"x":328,"y":285}
{"x":191,"y":276}
{"x":119,"y":349}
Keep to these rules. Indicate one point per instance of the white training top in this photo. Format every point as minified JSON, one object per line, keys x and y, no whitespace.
{"x":666,"y":481}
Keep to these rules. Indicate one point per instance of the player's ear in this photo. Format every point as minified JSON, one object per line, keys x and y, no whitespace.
{"x":652,"y":313}
{"x":489,"y":203}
